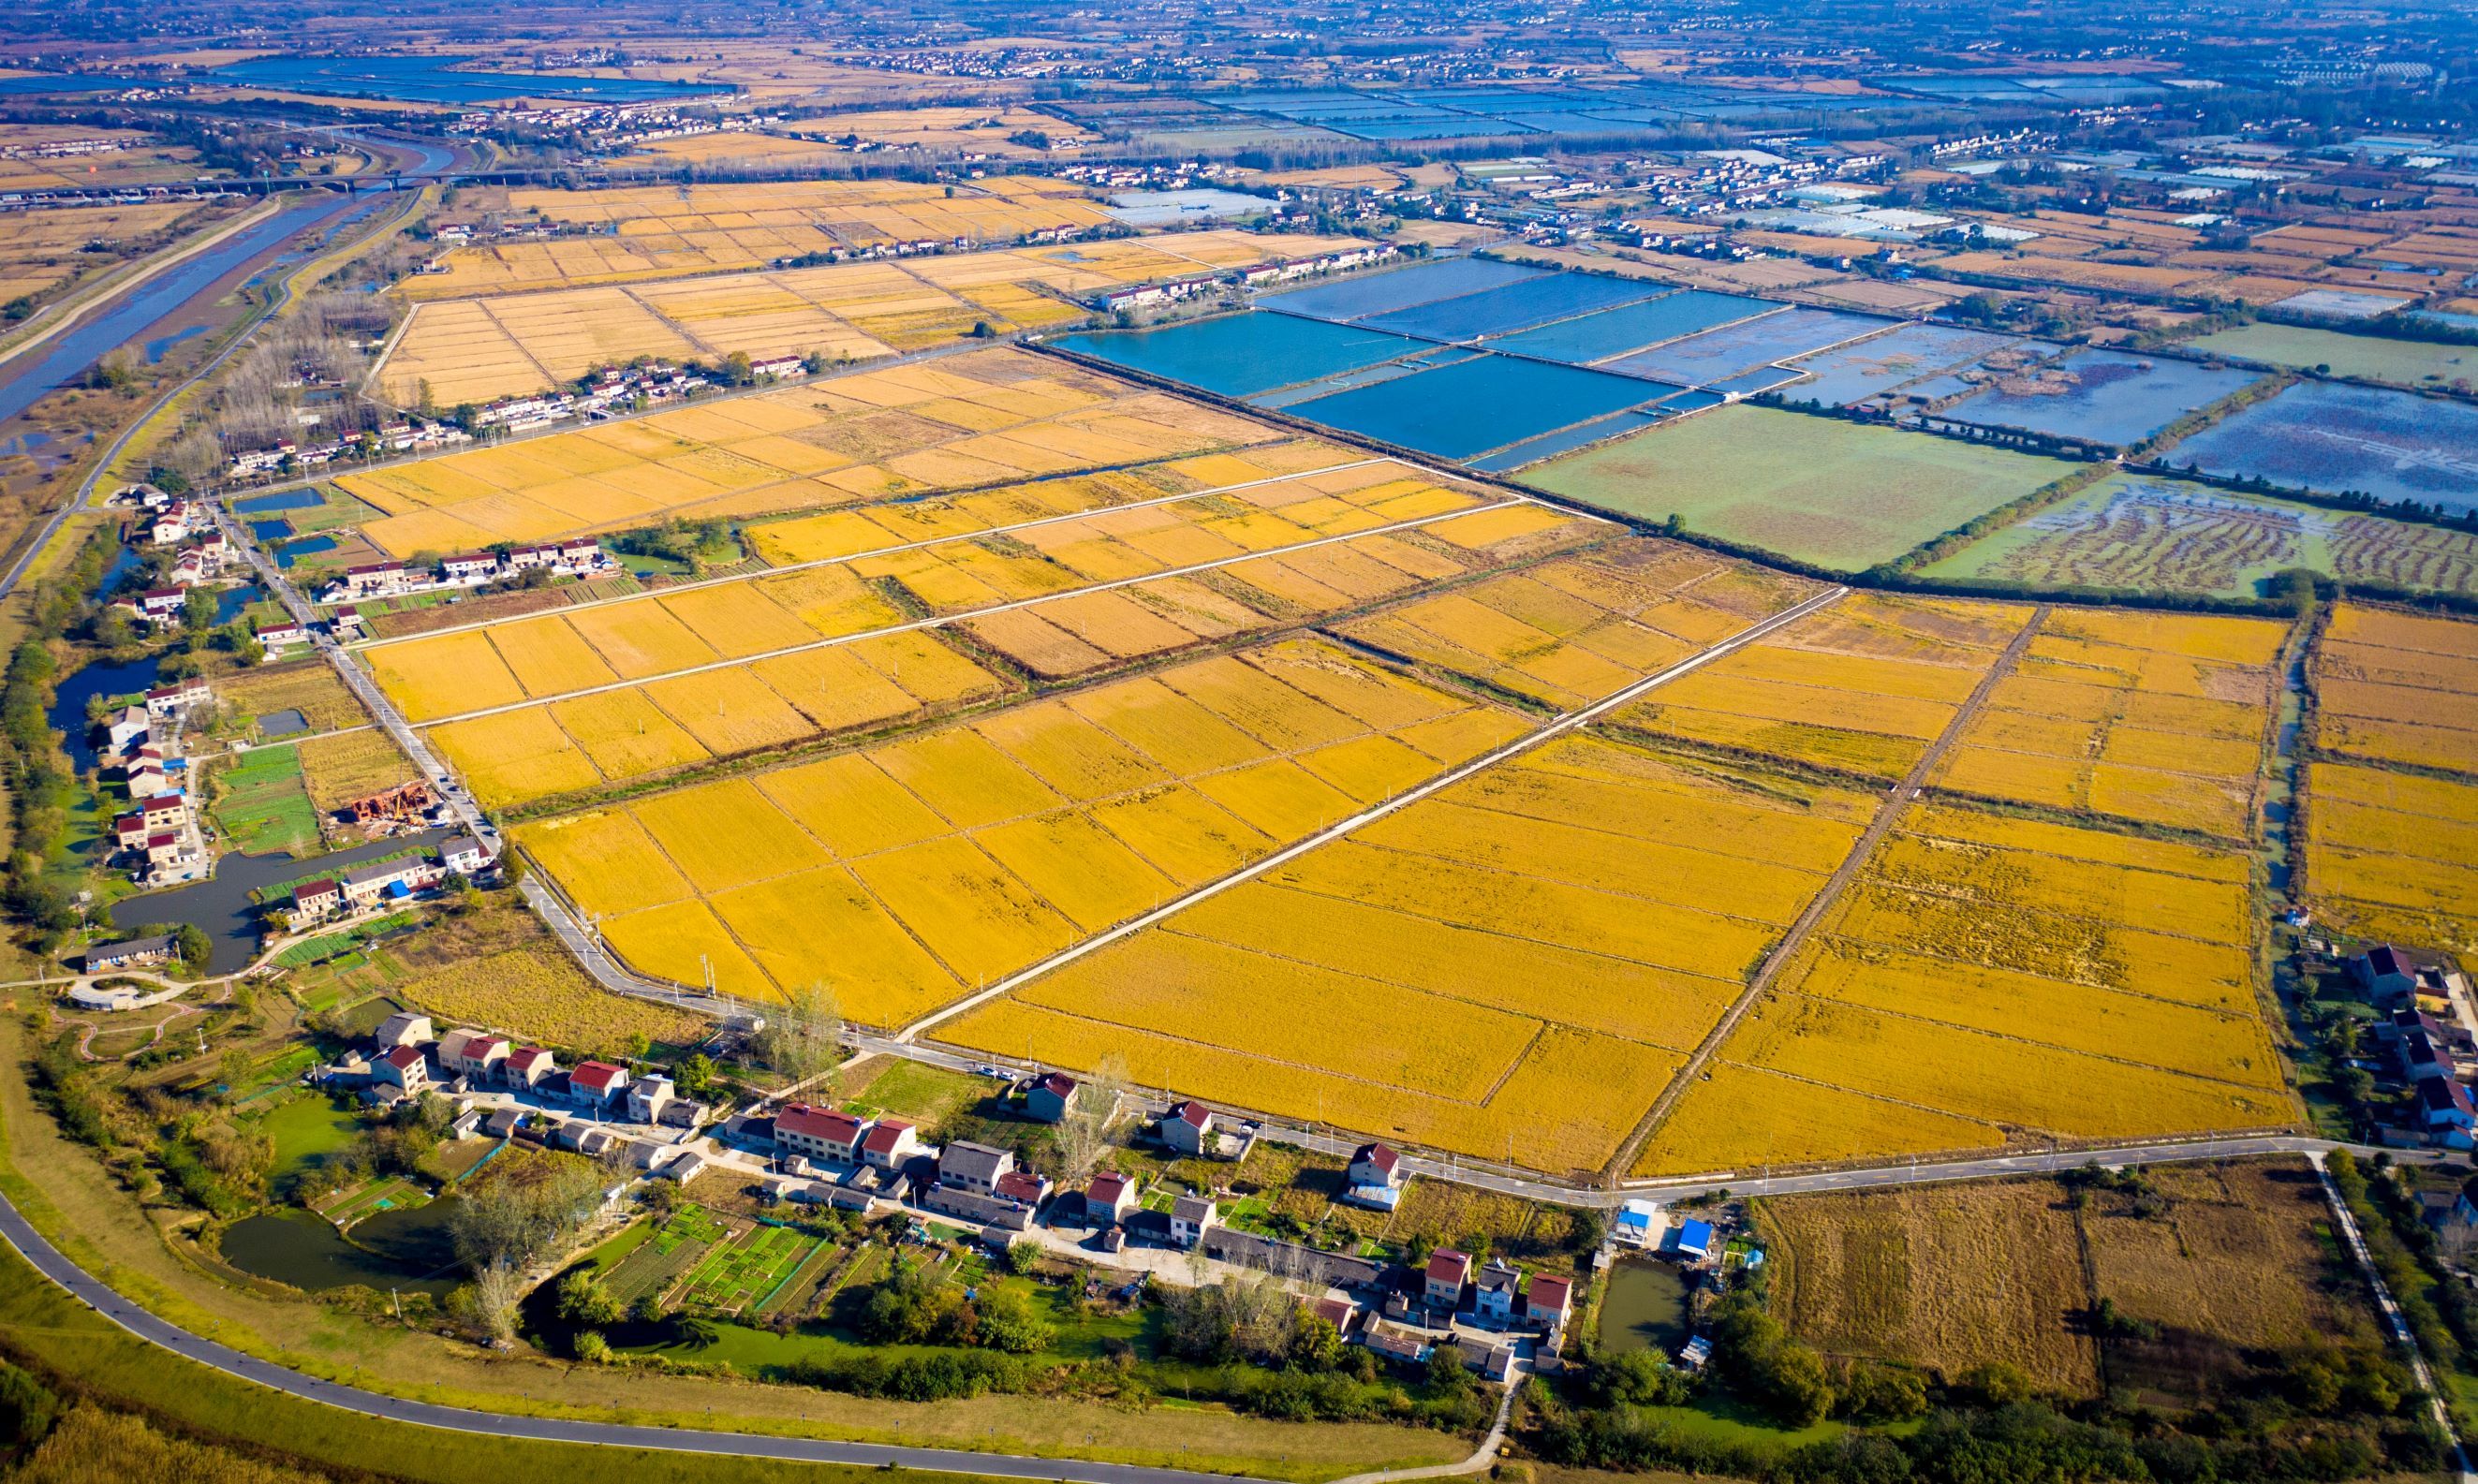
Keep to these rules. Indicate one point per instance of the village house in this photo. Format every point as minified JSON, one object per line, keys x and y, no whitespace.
{"x":1493,"y":1292}
{"x":482,"y":1058}
{"x":1396,"y":1342}
{"x":130,"y":954}
{"x":1187,"y":1126}
{"x":1442,"y":1283}
{"x":275,"y":637}
{"x":888,"y":1143}
{"x":158,"y":605}
{"x":131,"y":725}
{"x":399,"y":879}
{"x":2389,"y":973}
{"x":464,"y":855}
{"x":648,"y":1095}
{"x":818,"y":1134}
{"x":594,"y":1085}
{"x":403,"y":1067}
{"x":404,"y":1028}
{"x":965,"y":1166}
{"x":167,"y":702}
{"x":1050,"y":1099}
{"x":529,"y":1065}
{"x":1190,"y":1216}
{"x":1373,"y":1178}
{"x":1108,"y":1197}
{"x":1547,"y":1300}
{"x":315,"y":901}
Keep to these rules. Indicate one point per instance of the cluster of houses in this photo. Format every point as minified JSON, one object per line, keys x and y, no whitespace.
{"x":206,"y":556}
{"x":382,"y":883}
{"x":158,"y":837}
{"x":508,"y":1091}
{"x":2431,"y":1026}
{"x":403,"y":435}
{"x":577,"y":557}
{"x":1264,"y":275}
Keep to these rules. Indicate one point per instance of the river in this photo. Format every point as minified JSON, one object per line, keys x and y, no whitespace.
{"x":151,"y":310}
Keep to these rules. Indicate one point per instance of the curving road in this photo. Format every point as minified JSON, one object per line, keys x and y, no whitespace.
{"x":52,"y":1264}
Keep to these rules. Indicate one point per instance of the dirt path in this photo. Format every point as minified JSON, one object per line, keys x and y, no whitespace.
{"x":1887,"y":814}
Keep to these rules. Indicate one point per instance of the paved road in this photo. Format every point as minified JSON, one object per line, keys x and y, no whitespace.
{"x":49,"y":1261}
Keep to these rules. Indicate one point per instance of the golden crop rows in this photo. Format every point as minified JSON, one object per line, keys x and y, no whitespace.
{"x":2156,"y":719}
{"x":907,"y":872}
{"x":1524,"y":954}
{"x":988,"y":418}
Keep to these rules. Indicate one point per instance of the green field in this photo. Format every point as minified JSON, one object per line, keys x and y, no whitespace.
{"x":307,"y":1130}
{"x":2423,"y":364}
{"x":264,"y":804}
{"x":1816,"y":490}
{"x":2172,"y":536}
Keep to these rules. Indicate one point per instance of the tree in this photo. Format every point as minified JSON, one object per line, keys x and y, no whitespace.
{"x":195,"y":948}
{"x":198,"y":611}
{"x":1316,"y":1345}
{"x":490,"y":1301}
{"x":1084,"y":1136}
{"x":802,"y":1040}
{"x":583,"y":1300}
{"x":696,"y":1074}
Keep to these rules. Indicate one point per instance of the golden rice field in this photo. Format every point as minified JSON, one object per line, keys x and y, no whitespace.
{"x":1511,"y":968}
{"x":1989,"y":979}
{"x":908,"y":872}
{"x":2155,"y":718}
{"x":986,"y":419}
{"x":2400,"y":688}
{"x":979,"y":129}
{"x":644,"y":231}
{"x":1569,"y":633}
{"x":474,"y":349}
{"x":1862,"y":688}
{"x":615,"y":693}
{"x":1033,"y":542}
{"x":2390,"y":855}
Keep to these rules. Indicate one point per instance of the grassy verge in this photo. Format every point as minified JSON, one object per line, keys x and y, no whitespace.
{"x":76,"y":1202}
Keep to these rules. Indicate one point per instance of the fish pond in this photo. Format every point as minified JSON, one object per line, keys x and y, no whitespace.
{"x":2325,"y":435}
{"x":1645,"y":1308}
{"x":1241,"y":355}
{"x":2100,"y":396}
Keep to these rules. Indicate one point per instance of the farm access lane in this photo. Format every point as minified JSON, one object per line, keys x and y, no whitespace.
{"x":54,"y":1265}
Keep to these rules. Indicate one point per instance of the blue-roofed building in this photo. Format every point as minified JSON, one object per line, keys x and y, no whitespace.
{"x":1692,"y":1241}
{"x":1639,"y":1224}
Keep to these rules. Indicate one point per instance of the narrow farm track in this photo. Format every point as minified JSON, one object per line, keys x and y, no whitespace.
{"x":1554,"y":729}
{"x":1887,"y":814}
{"x":2393,"y":1319}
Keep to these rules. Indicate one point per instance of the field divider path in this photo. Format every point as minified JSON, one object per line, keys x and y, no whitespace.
{"x":675,"y":590}
{"x":1554,"y":728}
{"x":1896,"y":802}
{"x":944,"y":621}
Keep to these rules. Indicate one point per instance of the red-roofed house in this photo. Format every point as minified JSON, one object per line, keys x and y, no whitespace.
{"x":1187,"y":1126}
{"x":1047,"y":1100}
{"x":888,"y":1144}
{"x":483,"y":1056}
{"x":528,"y":1066}
{"x":1448,"y":1270}
{"x":595,"y":1084}
{"x":1545,"y":1300}
{"x":1109,"y":1198}
{"x":404,"y":1067}
{"x":1375,"y":1164}
{"x":820,"y":1133}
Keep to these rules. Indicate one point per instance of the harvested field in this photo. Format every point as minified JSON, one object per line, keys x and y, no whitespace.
{"x":2241,"y":1257}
